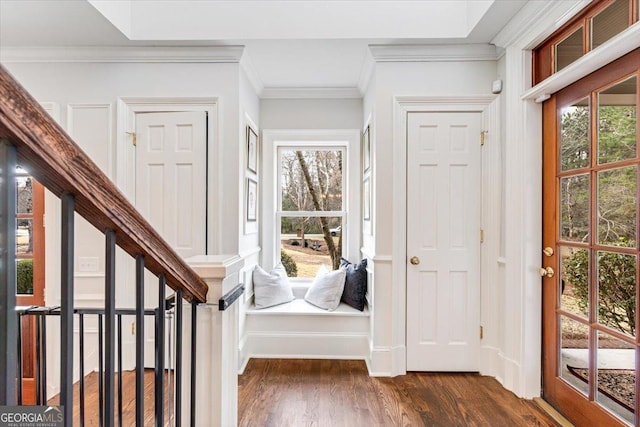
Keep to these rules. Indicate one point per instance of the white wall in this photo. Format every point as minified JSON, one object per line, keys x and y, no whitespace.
{"x":388,"y":356}
{"x":311,"y":113}
{"x":249,"y":233}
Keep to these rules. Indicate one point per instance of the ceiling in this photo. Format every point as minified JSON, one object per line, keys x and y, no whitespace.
{"x":290,"y":44}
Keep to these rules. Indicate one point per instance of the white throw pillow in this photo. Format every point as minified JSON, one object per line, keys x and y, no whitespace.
{"x":326,"y":289}
{"x":271,"y":288}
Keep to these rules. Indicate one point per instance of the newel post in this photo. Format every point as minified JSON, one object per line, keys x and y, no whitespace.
{"x":217,"y":344}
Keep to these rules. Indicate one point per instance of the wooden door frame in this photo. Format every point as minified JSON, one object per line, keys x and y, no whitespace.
{"x":489,"y":107}
{"x":557,"y":392}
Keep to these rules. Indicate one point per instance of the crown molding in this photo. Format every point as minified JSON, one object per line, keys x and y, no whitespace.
{"x":141,"y":54}
{"x":433,"y":53}
{"x":310,"y":93}
{"x":252,"y":74}
{"x":536,"y":21}
{"x":366,"y":73}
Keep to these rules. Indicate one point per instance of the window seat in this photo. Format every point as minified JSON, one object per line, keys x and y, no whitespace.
{"x":298,"y":329}
{"x":300,"y":307}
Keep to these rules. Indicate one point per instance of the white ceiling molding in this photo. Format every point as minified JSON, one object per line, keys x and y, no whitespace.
{"x":310,"y":93}
{"x":433,"y":53}
{"x":536,"y":21}
{"x":252,"y":74}
{"x":613,"y":49}
{"x":366,"y":73}
{"x":184,"y":54}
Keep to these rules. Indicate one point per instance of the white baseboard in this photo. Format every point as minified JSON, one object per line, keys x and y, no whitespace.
{"x":380,"y":365}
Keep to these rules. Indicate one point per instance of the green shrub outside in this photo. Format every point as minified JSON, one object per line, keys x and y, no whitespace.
{"x":24,"y":275}
{"x":289,"y":264}
{"x":616,"y":286}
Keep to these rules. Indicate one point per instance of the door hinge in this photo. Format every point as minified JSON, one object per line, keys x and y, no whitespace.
{"x":481,"y":332}
{"x":481,"y":236}
{"x":133,"y":328}
{"x":134,"y":140}
{"x":482,"y":136}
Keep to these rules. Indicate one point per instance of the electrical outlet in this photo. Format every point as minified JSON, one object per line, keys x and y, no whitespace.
{"x":88,"y":264}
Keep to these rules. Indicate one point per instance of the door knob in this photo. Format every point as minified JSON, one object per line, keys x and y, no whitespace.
{"x":548,"y":251}
{"x":548,"y":272}
{"x":414,"y":260}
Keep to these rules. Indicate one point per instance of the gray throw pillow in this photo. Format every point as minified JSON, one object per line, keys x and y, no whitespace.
{"x":326,"y":289}
{"x":355,"y":285}
{"x":271,"y":288}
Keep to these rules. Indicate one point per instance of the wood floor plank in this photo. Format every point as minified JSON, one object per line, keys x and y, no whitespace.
{"x":295,"y":392}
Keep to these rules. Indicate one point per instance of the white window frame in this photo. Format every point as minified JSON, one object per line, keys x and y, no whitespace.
{"x":276,"y":140}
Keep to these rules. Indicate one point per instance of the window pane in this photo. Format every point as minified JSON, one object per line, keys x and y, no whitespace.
{"x":24,"y":195}
{"x":574,"y":284}
{"x":307,"y":247}
{"x":311,"y":180}
{"x":617,"y":122}
{"x":611,"y":21}
{"x":569,"y":49}
{"x":575,"y":209}
{"x":617,"y":291}
{"x":24,"y":276}
{"x":574,"y":353}
{"x":616,"y":377}
{"x":24,"y":236}
{"x":574,"y":136}
{"x":617,"y":207}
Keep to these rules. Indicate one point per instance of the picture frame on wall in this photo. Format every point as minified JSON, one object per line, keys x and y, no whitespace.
{"x":252,"y":200}
{"x":252,"y":150}
{"x":366,"y":150}
{"x":366,"y":200}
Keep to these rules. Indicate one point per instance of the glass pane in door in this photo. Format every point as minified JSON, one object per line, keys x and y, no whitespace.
{"x":574,"y":353}
{"x":575,"y":145}
{"x":617,"y":107}
{"x":617,"y":291}
{"x":617,"y":198}
{"x":616,"y":377}
{"x":575,"y":208}
{"x":574,"y":287}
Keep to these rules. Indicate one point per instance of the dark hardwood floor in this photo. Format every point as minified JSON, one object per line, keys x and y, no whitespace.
{"x":285,"y":392}
{"x":92,"y":418}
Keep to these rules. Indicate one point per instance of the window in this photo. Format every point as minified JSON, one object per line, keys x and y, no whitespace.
{"x":311,"y":207}
{"x":597,"y":23}
{"x":291,"y":224}
{"x":29,"y":239}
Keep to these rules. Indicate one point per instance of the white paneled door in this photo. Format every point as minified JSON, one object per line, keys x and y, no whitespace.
{"x":443,"y":241}
{"x":171,"y":155}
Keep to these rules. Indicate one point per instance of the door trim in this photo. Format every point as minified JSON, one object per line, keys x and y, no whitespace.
{"x":489,"y":106}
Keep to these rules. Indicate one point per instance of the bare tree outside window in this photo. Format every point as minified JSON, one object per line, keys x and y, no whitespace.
{"x":312,"y":205}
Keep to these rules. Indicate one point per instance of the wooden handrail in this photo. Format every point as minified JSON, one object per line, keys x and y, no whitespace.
{"x":54,"y":159}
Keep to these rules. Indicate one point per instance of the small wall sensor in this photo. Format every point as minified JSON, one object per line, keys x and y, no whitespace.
{"x":496,"y":86}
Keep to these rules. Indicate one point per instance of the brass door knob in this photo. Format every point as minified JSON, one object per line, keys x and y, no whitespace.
{"x":414,"y":260}
{"x":546,"y":272}
{"x":548,"y":251}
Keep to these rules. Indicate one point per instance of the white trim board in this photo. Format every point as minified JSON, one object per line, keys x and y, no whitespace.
{"x":140,"y":54}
